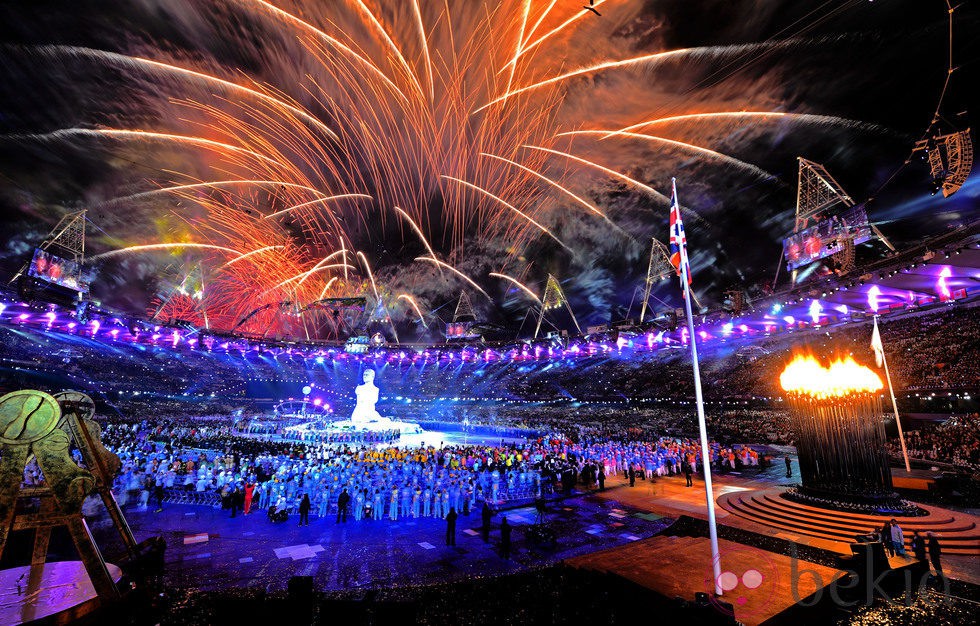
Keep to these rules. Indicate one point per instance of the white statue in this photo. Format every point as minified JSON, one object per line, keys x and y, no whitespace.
{"x":367,"y":397}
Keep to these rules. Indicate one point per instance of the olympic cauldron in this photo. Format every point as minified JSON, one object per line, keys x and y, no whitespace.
{"x":837,"y":415}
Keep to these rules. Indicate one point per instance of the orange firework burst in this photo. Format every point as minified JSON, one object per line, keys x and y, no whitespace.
{"x":439,"y":118}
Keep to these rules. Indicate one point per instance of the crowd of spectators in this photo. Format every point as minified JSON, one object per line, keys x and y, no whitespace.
{"x":955,"y":441}
{"x":611,"y":396}
{"x":936,"y":349}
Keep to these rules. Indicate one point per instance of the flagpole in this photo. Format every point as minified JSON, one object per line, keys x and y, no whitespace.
{"x":891,"y":391}
{"x":702,"y":427}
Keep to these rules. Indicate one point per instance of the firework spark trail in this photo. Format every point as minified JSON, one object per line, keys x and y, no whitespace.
{"x":411,"y":300}
{"x":250,"y":254}
{"x":149,"y":64}
{"x":342,"y":196}
{"x":517,"y":284}
{"x":237,"y":129}
{"x":527,"y":48}
{"x":623,"y":177}
{"x":520,"y":42}
{"x":330,"y":282}
{"x":323,"y":263}
{"x":647,"y":59}
{"x":556,"y":185}
{"x":806,"y":118}
{"x":162,"y":246}
{"x":304,"y":275}
{"x":367,"y":267}
{"x":452,"y":269}
{"x":711,"y":154}
{"x":332,"y":41}
{"x":425,"y":49}
{"x":380,"y":29}
{"x":418,"y":231}
{"x":66,"y":134}
{"x":211,"y":184}
{"x":534,"y":28}
{"x":510,"y":206}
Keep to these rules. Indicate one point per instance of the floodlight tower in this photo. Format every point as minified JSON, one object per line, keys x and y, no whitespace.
{"x":816,"y":191}
{"x":464,"y":309}
{"x":658,"y":269}
{"x":554,"y":298}
{"x":68,"y":236}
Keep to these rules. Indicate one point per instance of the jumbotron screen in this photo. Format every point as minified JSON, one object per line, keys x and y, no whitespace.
{"x":56,"y":270}
{"x":460,"y":330}
{"x":824,"y":238}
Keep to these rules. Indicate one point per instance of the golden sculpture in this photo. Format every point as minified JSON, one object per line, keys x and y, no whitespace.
{"x":34,"y":423}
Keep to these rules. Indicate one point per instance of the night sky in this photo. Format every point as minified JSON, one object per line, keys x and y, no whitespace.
{"x":868,"y":74}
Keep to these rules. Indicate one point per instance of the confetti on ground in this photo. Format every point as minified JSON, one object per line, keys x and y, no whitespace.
{"x":297,"y":552}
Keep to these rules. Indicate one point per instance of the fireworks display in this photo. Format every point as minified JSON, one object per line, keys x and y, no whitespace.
{"x":267,"y":155}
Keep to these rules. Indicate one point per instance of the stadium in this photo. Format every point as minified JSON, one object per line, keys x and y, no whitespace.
{"x":372,"y":316}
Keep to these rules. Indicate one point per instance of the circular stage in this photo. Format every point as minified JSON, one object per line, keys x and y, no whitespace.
{"x":957,"y":532}
{"x":58,"y":592}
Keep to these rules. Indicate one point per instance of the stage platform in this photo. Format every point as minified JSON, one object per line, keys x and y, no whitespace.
{"x":57,"y":593}
{"x":958,"y":532}
{"x":668,"y":496}
{"x":915,"y":480}
{"x":766,"y":583}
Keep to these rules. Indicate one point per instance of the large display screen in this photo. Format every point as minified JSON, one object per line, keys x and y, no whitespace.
{"x":461,"y":330}
{"x":357,"y":344}
{"x":56,"y":270}
{"x":823,"y":238}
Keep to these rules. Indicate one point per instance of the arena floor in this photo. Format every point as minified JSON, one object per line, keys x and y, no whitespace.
{"x":206,"y":549}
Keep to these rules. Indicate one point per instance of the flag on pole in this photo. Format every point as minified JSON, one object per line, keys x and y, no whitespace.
{"x":876,"y":345}
{"x":678,"y":241}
